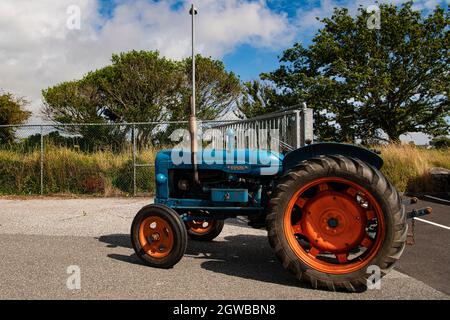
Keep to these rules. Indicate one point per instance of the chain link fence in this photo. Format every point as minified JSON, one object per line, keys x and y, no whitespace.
{"x":95,"y":159}
{"x":115,"y":159}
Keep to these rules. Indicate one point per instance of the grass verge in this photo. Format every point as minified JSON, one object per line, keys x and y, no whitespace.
{"x":67,"y":171}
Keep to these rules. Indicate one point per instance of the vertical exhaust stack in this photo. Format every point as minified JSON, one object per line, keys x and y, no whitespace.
{"x":192,"y":119}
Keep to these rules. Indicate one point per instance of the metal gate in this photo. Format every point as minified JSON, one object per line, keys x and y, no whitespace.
{"x":287,"y":130}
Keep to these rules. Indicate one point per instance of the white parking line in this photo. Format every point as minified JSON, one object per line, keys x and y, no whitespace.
{"x":433,"y":223}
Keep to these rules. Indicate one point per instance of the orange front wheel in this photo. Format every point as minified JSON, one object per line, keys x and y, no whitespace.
{"x":158,"y":236}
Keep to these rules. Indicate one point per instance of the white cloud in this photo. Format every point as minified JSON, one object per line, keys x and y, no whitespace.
{"x":37,"y":49}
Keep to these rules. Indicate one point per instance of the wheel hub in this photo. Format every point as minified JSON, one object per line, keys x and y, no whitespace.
{"x":200,"y":226}
{"x":326,"y":224}
{"x":156,"y":237}
{"x":334,"y":222}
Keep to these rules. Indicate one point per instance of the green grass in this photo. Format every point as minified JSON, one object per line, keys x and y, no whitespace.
{"x":67,"y":171}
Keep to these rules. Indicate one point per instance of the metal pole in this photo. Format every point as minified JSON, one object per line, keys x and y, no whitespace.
{"x":133,"y":133}
{"x":193,"y":12}
{"x":307,"y":121}
{"x":298,"y":130}
{"x":192,"y":118}
{"x":42,"y":161}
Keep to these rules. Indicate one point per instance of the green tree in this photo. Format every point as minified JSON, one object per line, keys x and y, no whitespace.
{"x":257,"y":99}
{"x":364,"y":82}
{"x":217,"y":90}
{"x":11,"y":113}
{"x":136,"y":87}
{"x":441,"y":142}
{"x":140,"y":86}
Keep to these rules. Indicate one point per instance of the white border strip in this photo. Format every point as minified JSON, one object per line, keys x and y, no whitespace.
{"x":433,"y":223}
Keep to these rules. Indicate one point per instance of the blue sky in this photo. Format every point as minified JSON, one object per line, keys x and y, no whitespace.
{"x":249,"y":61}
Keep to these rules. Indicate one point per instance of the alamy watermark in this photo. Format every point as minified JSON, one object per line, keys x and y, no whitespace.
{"x":374,"y":20}
{"x":74,"y":280}
{"x":374,"y":280}
{"x":241,"y":147}
{"x":74,"y":17}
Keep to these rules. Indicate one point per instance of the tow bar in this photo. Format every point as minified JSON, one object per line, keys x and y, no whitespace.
{"x":414,"y":213}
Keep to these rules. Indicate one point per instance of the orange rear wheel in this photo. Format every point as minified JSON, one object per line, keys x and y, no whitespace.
{"x":334,"y":225}
{"x":332,"y":217}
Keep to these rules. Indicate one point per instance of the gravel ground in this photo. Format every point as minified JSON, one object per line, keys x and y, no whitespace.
{"x":40,"y":238}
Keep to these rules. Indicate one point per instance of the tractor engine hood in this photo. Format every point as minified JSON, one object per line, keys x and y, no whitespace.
{"x":243,"y":161}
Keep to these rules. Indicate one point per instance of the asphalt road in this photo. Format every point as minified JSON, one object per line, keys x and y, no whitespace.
{"x":428,"y":259}
{"x":40,"y":239}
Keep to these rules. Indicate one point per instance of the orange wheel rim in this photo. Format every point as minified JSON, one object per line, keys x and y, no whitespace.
{"x":334,"y":225}
{"x":156,"y":237}
{"x":201,"y":226}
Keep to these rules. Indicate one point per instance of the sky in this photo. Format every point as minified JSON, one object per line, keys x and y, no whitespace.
{"x":42,"y":44}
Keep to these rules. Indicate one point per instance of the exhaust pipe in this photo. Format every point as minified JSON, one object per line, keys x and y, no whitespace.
{"x":192,"y":119}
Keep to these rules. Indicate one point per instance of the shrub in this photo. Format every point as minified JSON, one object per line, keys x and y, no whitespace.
{"x":441,"y":142}
{"x":19,"y":174}
{"x":123,"y":178}
{"x":68,"y":171}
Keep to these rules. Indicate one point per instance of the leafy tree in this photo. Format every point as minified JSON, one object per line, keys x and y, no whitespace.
{"x":257,"y":99}
{"x":441,"y":142}
{"x":217,"y":90}
{"x":11,"y":113}
{"x":139,"y":86}
{"x":54,"y":138}
{"x":81,"y":102}
{"x":135,"y":88}
{"x":364,"y":82}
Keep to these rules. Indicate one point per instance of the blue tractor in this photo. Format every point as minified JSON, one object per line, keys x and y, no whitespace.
{"x":329,"y":211}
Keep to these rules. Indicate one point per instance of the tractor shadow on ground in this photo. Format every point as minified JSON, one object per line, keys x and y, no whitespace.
{"x":244,"y":256}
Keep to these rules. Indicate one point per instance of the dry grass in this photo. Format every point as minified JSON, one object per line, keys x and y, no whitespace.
{"x":67,"y":171}
{"x":408,"y":166}
{"x":70,"y":172}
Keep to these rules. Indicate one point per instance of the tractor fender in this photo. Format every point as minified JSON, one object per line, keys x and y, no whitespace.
{"x":294,"y":157}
